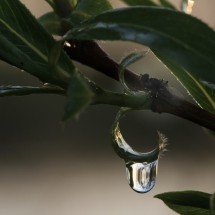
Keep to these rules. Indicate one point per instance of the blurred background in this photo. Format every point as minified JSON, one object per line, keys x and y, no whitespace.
{"x":47,"y":167}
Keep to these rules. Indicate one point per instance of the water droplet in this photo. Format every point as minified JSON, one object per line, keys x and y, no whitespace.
{"x":187,"y":6}
{"x":141,"y":168}
{"x":207,"y":83}
{"x":141,"y":176}
{"x":68,"y":44}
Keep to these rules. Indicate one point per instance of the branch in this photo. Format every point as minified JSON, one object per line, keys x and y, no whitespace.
{"x":163,"y":100}
{"x":90,"y":53}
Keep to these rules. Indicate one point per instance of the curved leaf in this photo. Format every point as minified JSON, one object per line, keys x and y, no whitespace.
{"x":79,"y":96}
{"x":27,"y":90}
{"x":187,"y":202}
{"x":202,"y":94}
{"x":173,"y":36}
{"x":125,"y":62}
{"x":52,"y":23}
{"x":84,"y":9}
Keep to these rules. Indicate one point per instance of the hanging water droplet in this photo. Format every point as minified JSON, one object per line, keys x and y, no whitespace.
{"x":141,"y":168}
{"x":141,"y":176}
{"x":187,"y":6}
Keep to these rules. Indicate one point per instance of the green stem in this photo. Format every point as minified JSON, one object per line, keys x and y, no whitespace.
{"x":123,"y":100}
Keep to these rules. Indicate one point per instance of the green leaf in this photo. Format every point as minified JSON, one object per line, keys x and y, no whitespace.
{"x":84,"y":9}
{"x":187,"y":202}
{"x":27,"y":90}
{"x":52,"y":23}
{"x":61,"y":8}
{"x":212,"y":204}
{"x":125,"y":62}
{"x":26,"y":44}
{"x":165,"y":3}
{"x":79,"y":96}
{"x":55,"y":54}
{"x":168,"y":33}
{"x":140,"y":2}
{"x":202,"y":94}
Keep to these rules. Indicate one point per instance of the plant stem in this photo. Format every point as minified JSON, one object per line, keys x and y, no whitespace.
{"x":123,"y":100}
{"x":90,"y":53}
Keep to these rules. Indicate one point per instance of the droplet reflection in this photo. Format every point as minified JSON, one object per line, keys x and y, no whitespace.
{"x":141,"y":168}
{"x":141,"y":176}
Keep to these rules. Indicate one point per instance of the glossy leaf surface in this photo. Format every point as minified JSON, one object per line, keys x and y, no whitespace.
{"x":187,"y":202}
{"x":27,"y":90}
{"x":173,"y":37}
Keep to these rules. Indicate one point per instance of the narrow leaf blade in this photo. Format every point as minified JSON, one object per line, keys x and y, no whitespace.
{"x":78,"y":98}
{"x":125,"y":62}
{"x":52,"y":23}
{"x":28,"y":90}
{"x":187,"y":202}
{"x":203,"y":95}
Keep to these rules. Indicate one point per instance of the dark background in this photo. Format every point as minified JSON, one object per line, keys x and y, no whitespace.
{"x":47,"y":167}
